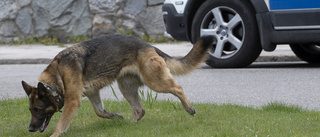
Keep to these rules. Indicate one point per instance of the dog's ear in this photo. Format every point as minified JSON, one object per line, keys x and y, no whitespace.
{"x":27,"y":88}
{"x":42,"y":91}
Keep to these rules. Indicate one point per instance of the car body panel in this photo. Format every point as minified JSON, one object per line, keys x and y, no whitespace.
{"x":284,"y":21}
{"x":293,"y":4}
{"x":294,"y":22}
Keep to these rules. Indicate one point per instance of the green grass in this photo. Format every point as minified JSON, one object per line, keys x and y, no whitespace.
{"x":47,"y":40}
{"x":166,"y":118}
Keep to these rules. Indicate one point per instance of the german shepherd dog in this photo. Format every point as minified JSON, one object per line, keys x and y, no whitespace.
{"x":85,"y":68}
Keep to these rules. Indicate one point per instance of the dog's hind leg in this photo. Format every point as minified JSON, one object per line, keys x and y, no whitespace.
{"x":168,"y":86}
{"x":98,"y":106}
{"x":129,"y":85}
{"x":157,"y":76}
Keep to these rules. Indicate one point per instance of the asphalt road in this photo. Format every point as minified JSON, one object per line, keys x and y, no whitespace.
{"x":291,"y":83}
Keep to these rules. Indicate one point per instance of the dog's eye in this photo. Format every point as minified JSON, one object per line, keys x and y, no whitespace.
{"x":36,"y":110}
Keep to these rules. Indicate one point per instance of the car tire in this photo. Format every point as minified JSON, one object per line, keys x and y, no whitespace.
{"x":309,"y":52}
{"x":233,"y":23}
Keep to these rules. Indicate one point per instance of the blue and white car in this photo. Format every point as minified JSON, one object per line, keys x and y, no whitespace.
{"x":244,"y":27}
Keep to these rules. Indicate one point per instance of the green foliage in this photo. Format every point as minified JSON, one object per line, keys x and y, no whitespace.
{"x":114,"y":93}
{"x":125,"y":32}
{"x":78,"y":39}
{"x":47,"y":40}
{"x":148,"y":98}
{"x":53,"y":40}
{"x":277,"y":106}
{"x":50,"y":40}
{"x":166,"y":121}
{"x":158,"y":39}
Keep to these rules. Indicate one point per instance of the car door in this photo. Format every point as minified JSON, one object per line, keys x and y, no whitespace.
{"x":299,"y":20}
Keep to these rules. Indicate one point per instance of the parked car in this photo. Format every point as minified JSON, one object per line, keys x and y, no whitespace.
{"x":243,"y":28}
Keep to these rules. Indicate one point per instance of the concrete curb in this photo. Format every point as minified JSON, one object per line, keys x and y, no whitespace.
{"x":24,"y":61}
{"x":47,"y":61}
{"x":40,"y":54}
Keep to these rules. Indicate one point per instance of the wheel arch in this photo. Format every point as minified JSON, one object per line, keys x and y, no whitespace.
{"x":190,"y":10}
{"x":264,"y":24}
{"x":258,"y":5}
{"x":251,"y":43}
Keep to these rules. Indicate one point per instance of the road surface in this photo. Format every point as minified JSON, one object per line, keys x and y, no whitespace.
{"x":291,"y":83}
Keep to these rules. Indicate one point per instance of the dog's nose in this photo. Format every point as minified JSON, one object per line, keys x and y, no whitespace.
{"x":31,"y":129}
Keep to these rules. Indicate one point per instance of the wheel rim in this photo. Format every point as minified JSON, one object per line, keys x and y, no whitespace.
{"x":227,"y":26}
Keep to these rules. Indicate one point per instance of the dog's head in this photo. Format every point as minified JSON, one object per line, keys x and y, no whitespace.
{"x":42,"y":106}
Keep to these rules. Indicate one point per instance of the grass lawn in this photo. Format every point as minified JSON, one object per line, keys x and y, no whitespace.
{"x":166,"y":118}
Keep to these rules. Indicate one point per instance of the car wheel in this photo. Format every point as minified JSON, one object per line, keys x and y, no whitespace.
{"x":233,"y":23}
{"x":308,"y":52}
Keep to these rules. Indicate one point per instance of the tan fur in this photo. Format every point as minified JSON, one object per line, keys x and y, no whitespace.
{"x":87,"y":67}
{"x":194,"y":60}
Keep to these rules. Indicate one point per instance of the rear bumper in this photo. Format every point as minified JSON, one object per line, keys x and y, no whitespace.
{"x":174,"y":23}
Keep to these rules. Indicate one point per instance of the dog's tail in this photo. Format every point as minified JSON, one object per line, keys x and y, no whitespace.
{"x":197,"y":55}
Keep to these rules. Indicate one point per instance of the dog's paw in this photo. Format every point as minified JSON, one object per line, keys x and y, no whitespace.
{"x":192,"y":111}
{"x":116,"y":115}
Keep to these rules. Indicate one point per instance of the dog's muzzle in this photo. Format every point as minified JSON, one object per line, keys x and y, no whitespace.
{"x":32,"y":129}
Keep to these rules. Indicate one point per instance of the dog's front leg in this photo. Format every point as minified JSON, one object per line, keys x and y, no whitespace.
{"x":69,"y":111}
